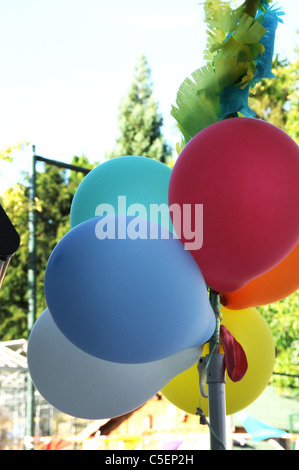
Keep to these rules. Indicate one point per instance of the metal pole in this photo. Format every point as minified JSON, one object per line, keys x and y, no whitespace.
{"x":31,"y":317}
{"x":29,"y":427}
{"x":216,"y":367}
{"x":216,"y":384}
{"x":67,"y":166}
{"x":215,"y":377}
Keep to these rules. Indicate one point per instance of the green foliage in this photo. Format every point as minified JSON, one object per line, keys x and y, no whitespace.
{"x":292,"y":124}
{"x":277,"y":100}
{"x":7,"y":153}
{"x":55,"y":189}
{"x":139,"y":120}
{"x":283,"y":320}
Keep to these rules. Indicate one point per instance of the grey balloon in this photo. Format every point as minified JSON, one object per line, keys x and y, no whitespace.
{"x":87,"y":387}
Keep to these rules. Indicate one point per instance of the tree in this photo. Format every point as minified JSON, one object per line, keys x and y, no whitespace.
{"x":276,"y":100}
{"x":139,"y":121}
{"x":283,"y":320}
{"x":55,"y":190}
{"x":292,"y":125}
{"x":7,"y":153}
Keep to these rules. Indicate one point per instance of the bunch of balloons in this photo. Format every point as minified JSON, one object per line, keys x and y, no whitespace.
{"x":128,"y":312}
{"x":128,"y":308}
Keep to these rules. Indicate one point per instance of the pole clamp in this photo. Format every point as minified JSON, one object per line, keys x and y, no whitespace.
{"x":211,"y":369}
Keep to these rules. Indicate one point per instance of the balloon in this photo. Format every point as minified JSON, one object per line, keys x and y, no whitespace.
{"x":123,"y":299}
{"x":122,"y":183}
{"x":84,"y":386}
{"x":245,"y":173}
{"x":252,"y":332}
{"x":276,"y":284}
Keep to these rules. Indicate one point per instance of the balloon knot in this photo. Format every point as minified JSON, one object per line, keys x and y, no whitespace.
{"x":203,"y":420}
{"x":223,"y":300}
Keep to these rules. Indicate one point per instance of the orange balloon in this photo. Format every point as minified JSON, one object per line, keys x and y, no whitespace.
{"x":274,"y":285}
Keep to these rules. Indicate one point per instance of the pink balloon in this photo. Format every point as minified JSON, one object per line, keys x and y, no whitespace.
{"x":245,"y":173}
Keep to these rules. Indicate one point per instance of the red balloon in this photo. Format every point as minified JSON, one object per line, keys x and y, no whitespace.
{"x":245,"y":173}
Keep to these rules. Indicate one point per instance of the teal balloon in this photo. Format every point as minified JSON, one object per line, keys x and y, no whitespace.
{"x":124,"y":185}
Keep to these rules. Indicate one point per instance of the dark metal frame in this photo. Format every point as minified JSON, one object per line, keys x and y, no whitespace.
{"x":31,"y":317}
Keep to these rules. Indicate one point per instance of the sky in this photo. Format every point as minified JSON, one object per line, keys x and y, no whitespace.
{"x":66,"y":64}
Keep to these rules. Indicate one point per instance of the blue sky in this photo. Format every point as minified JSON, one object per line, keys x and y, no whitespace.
{"x":66,"y":64}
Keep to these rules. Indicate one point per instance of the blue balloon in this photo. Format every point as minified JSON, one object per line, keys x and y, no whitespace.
{"x":125,"y":290}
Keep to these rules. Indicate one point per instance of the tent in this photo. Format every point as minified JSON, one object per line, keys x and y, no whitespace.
{"x":258,"y":430}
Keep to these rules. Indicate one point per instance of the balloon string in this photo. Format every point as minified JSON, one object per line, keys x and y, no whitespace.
{"x":205,"y":421}
{"x":215,"y":304}
{"x":214,"y":342}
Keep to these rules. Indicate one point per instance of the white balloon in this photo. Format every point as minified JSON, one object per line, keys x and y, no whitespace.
{"x":87,"y":387}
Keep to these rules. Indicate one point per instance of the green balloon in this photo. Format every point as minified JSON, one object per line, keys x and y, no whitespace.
{"x":128,"y":185}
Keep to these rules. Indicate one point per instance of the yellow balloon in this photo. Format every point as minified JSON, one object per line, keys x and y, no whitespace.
{"x":251,"y":330}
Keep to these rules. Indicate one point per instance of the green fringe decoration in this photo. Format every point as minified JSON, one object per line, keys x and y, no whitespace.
{"x":233,"y":45}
